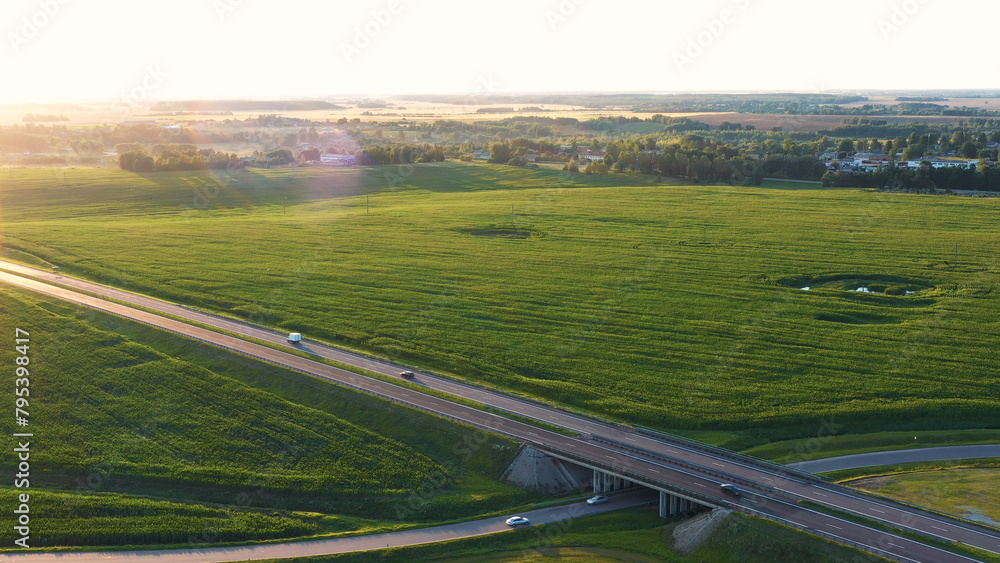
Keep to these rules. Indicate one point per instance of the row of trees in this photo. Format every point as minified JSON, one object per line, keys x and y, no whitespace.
{"x":399,"y":154}
{"x":924,"y":178}
{"x":174,"y":161}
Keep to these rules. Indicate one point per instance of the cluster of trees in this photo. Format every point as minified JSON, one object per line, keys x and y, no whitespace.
{"x":398,"y":154}
{"x":19,"y":140}
{"x":925,"y":178}
{"x":671,"y":124}
{"x":509,"y":128}
{"x":728,"y":126}
{"x":963,"y":144}
{"x":906,"y":108}
{"x":174,"y":160}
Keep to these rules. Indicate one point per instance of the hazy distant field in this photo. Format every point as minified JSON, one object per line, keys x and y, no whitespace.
{"x":808,"y":123}
{"x":398,"y":109}
{"x":673,"y":306}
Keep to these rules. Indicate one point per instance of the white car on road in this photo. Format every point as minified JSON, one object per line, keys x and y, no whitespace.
{"x":515,"y":521}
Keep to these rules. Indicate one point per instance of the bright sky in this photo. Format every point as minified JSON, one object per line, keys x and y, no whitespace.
{"x":221,"y":49}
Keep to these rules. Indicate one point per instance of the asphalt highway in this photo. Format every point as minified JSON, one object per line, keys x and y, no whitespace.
{"x":898,"y":456}
{"x":565,"y":513}
{"x":653,"y":460}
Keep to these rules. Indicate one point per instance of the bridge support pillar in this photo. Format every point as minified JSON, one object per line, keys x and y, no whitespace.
{"x":604,"y":482}
{"x":669,"y":504}
{"x":608,"y":483}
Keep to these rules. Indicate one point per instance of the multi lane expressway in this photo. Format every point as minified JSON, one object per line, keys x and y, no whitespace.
{"x":669,"y":464}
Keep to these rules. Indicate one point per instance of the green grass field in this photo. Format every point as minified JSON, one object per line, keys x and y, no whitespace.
{"x":676,"y":307}
{"x":145,"y":438}
{"x":966,"y":492}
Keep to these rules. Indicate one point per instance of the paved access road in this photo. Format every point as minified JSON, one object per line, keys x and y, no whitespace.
{"x":657,"y":461}
{"x":898,"y":456}
{"x":565,"y":513}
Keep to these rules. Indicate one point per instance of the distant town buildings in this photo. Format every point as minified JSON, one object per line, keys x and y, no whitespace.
{"x":592,"y":155}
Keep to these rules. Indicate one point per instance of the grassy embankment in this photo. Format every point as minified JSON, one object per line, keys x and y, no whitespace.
{"x":145,"y":438}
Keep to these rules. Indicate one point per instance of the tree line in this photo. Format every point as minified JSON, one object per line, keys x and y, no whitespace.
{"x":177,"y":160}
{"x":925,"y":178}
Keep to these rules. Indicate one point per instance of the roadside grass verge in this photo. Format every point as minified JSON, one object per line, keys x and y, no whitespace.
{"x":635,"y":535}
{"x":965,"y":489}
{"x":847,"y":475}
{"x":791,"y":451}
{"x":172,"y":420}
{"x":959,"y":548}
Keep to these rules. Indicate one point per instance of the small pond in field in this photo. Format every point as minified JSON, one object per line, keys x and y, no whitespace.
{"x":890,"y":286}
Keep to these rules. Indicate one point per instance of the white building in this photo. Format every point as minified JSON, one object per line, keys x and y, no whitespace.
{"x":592,"y":156}
{"x":337,"y":159}
{"x":861,"y":158}
{"x":941,"y":163}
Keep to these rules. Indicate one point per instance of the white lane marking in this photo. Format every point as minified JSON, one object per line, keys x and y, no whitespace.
{"x":768,"y":478}
{"x":936,"y":528}
{"x":894,"y":545}
{"x":630,"y":439}
{"x":654,"y":471}
{"x":671,"y":451}
{"x":718,"y":464}
{"x":518,"y":408}
{"x":611,"y":458}
{"x":837,"y":527}
{"x":876,"y":510}
{"x":821,"y":494}
{"x":700,"y":485}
